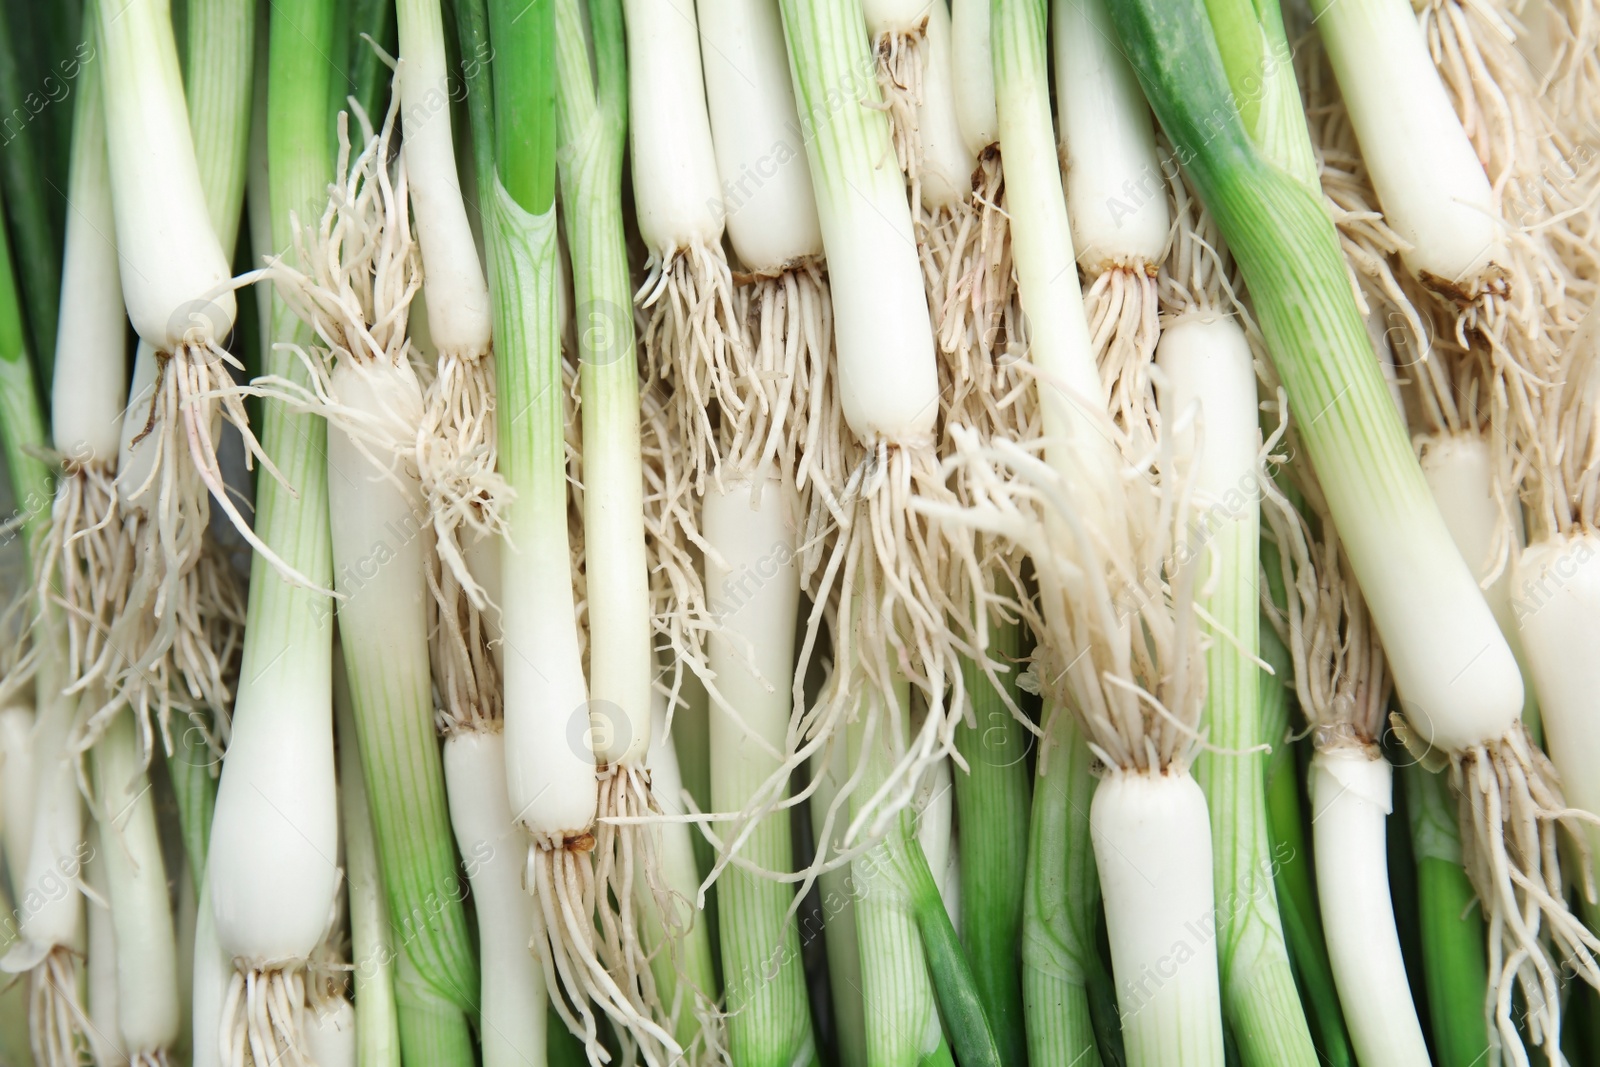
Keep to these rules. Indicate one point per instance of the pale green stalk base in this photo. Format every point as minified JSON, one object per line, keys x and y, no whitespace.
{"x":1260,"y":67}
{"x":895,"y":986}
{"x":1260,"y":1000}
{"x":404,"y":778}
{"x":992,"y":806}
{"x":218,"y":75}
{"x":894,"y":981}
{"x":1067,"y":1037}
{"x":1061,"y":902}
{"x":433,"y":1031}
{"x":371,"y":942}
{"x":769,"y":1016}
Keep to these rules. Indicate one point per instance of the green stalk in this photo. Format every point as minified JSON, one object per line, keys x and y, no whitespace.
{"x":472,"y":28}
{"x":1260,"y":1001}
{"x":901,"y":1015}
{"x":769,"y":1018}
{"x":1260,"y":67}
{"x":25,"y":172}
{"x":970,"y":1035}
{"x":433,"y":1030}
{"x":592,"y":98}
{"x":1453,"y":953}
{"x":219,"y":73}
{"x":1061,"y":902}
{"x":404,"y":774}
{"x":992,"y":807}
{"x":372,"y":950}
{"x":218,"y":81}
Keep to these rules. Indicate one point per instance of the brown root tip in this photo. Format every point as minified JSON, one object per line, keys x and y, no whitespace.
{"x":583,"y":842}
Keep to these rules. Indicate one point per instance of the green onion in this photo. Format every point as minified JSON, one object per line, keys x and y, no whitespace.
{"x":271,"y":878}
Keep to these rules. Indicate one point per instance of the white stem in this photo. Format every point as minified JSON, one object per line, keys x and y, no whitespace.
{"x":272,"y":869}
{"x":1206,"y":362}
{"x":676,"y":193}
{"x":1116,"y":194}
{"x":91,"y":376}
{"x":51,"y":907}
{"x":1460,"y":474}
{"x":377,"y":520}
{"x":493,"y":854}
{"x":754,"y":578}
{"x":453,"y":288}
{"x":176,"y":270}
{"x":17,"y":786}
{"x":331,"y":1033}
{"x":1152,"y":845}
{"x":549,"y":761}
{"x":771,"y":211}
{"x":1350,"y":799}
{"x":1071,"y":396}
{"x":1432,"y":188}
{"x":895,"y":16}
{"x":972,"y":66}
{"x":888,"y":377}
{"x":945,"y":176}
{"x":1557,"y":583}
{"x":147,"y":963}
